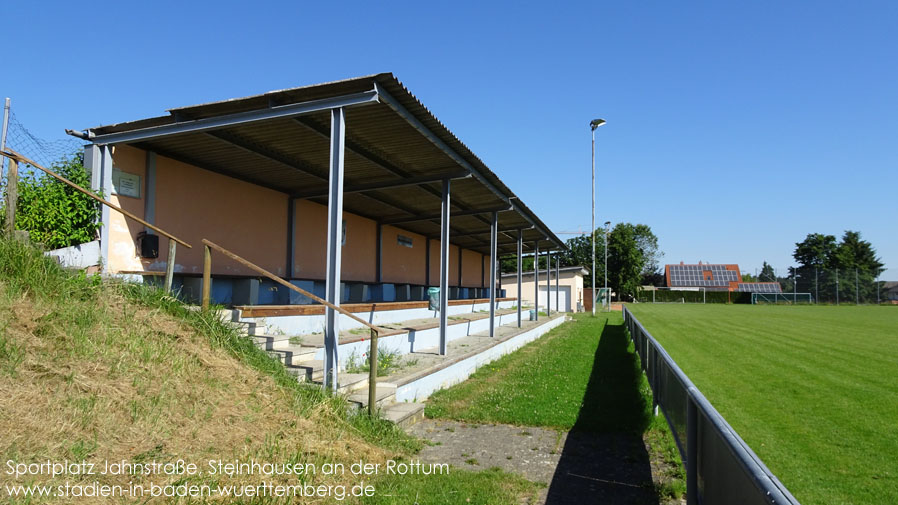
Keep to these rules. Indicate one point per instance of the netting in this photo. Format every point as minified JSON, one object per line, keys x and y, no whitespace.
{"x":782,"y":298}
{"x":43,"y":151}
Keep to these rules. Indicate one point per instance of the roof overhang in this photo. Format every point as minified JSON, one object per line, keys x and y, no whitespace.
{"x":397,"y":157}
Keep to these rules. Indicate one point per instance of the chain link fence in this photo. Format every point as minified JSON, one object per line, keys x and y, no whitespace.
{"x":836,"y":286}
{"x":47,"y":152}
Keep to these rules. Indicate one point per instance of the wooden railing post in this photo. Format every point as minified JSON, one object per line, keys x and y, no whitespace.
{"x":372,"y":375}
{"x":170,"y":265}
{"x":375,"y":331}
{"x":207,"y":275}
{"x":12,"y":195}
{"x":15,"y":158}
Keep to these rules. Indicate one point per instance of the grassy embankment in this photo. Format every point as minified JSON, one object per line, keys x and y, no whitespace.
{"x":107,"y":371}
{"x":811,"y":389}
{"x":583,"y":375}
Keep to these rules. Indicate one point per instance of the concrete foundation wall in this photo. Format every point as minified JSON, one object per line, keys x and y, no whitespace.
{"x":77,"y":256}
{"x":449,"y":376}
{"x":416,"y":340}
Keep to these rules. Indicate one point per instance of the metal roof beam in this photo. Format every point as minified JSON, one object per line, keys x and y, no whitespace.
{"x":225,"y":121}
{"x":396,"y":183}
{"x":272,"y":155}
{"x":418,"y":125}
{"x":431,"y":217}
{"x":355,"y":148}
{"x":205,"y":166}
{"x":501,"y":230}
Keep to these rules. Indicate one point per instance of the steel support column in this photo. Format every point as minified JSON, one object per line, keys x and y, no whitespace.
{"x":520,"y":261}
{"x":334,"y":246}
{"x":444,"y":266}
{"x":536,"y":279}
{"x":557,"y":287}
{"x":494,"y":225}
{"x":105,"y":212}
{"x":548,"y":283}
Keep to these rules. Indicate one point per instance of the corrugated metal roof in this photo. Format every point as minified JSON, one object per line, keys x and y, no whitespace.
{"x":292,"y":155}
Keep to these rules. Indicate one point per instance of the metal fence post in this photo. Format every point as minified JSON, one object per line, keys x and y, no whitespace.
{"x":372,"y":374}
{"x":691,"y":450}
{"x":12,"y":195}
{"x":857,"y":296}
{"x":3,"y":132}
{"x":837,"y":286}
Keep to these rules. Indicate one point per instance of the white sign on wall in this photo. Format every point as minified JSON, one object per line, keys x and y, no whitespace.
{"x":125,"y":184}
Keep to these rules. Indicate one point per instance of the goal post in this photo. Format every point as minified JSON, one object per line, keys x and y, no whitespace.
{"x":782,"y":298}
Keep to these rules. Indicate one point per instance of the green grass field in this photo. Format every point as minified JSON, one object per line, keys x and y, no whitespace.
{"x":813,"y":390}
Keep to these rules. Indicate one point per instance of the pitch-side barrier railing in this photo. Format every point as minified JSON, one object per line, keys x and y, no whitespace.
{"x":720,"y":467}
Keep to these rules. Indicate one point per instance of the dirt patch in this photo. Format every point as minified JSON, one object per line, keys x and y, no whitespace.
{"x":579,"y":467}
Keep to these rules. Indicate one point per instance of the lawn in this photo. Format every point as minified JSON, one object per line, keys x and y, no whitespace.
{"x":582,"y":376}
{"x":811,"y":389}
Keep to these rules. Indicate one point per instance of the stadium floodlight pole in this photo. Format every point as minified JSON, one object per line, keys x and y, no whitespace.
{"x":606,"y":266}
{"x":595,"y":123}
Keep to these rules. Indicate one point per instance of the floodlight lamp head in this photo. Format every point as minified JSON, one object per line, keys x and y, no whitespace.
{"x":595,"y":123}
{"x":607,"y":223}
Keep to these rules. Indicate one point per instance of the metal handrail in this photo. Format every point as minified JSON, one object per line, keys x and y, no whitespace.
{"x":375,"y":331}
{"x":15,"y":158}
{"x":9,"y":153}
{"x":765,"y":481}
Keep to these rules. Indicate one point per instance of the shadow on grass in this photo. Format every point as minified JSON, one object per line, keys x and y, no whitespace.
{"x":604,"y":459}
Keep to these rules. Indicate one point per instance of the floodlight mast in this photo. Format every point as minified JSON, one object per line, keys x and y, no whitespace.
{"x":595,"y":123}
{"x":606,"y":266}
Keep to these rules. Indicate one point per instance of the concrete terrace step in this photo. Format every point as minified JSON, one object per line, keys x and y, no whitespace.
{"x":362,"y":335}
{"x":434,"y":371}
{"x":293,"y":355}
{"x":404,"y":414}
{"x":309,"y":371}
{"x":386,"y":394}
{"x":422,"y":370}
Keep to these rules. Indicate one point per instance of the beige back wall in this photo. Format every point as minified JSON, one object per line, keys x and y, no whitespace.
{"x":193,"y":204}
{"x":567,"y":279}
{"x":401,"y":264}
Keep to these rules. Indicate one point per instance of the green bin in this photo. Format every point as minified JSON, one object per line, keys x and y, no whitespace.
{"x":433,"y":297}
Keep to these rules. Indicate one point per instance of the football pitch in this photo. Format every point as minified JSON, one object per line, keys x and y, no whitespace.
{"x":813,"y":390}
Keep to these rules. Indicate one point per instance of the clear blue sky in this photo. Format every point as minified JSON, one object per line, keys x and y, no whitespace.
{"x":734,"y":128}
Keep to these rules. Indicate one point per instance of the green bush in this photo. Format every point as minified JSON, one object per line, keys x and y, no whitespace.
{"x":53,"y":213}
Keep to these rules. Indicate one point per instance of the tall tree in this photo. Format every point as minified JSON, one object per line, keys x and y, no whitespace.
{"x":625,"y":260}
{"x":853,"y":252}
{"x":849,"y":266}
{"x":647,"y":243}
{"x":816,"y":250}
{"x":579,"y":253}
{"x":767,"y":273}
